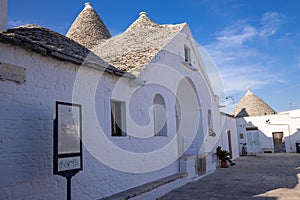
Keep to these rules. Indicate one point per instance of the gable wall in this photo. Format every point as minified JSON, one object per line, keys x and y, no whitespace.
{"x":168,"y":69}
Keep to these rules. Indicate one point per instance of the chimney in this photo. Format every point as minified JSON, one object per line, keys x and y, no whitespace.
{"x":3,"y":15}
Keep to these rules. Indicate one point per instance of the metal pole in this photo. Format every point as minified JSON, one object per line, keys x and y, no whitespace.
{"x":69,"y":187}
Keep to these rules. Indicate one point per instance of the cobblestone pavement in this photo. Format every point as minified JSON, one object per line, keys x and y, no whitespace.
{"x":264,"y":176}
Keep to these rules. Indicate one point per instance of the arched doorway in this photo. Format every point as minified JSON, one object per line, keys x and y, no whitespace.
{"x":188,"y":107}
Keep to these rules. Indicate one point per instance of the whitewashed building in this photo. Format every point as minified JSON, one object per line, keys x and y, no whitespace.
{"x":148,"y":108}
{"x":263,"y":129}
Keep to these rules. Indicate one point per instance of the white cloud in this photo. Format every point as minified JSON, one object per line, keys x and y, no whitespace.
{"x":270,"y":23}
{"x":238,"y":79}
{"x":240,"y":62}
{"x":236,"y":34}
{"x":15,"y":23}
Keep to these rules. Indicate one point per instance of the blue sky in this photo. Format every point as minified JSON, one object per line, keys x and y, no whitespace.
{"x":253,"y":43}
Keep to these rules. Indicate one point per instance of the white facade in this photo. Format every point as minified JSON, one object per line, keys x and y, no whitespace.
{"x":110,"y":164}
{"x":191,"y":85}
{"x":27,"y":133}
{"x":3,"y":15}
{"x":263,"y":139}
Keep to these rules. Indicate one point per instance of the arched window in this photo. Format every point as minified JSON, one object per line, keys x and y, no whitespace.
{"x":209,"y":120}
{"x":159,"y":116}
{"x":210,"y":124}
{"x":177,"y":114}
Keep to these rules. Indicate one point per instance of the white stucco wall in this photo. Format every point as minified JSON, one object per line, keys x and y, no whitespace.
{"x":168,"y":69}
{"x":230,"y":125}
{"x":286,"y":122}
{"x":3,"y":15}
{"x":26,"y":128}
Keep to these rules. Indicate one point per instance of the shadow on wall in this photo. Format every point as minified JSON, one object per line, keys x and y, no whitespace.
{"x":295,"y":138}
{"x":242,"y":113}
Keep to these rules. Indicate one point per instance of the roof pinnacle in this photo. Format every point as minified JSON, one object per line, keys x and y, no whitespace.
{"x":249,"y":90}
{"x":87,"y":5}
{"x":143,"y":14}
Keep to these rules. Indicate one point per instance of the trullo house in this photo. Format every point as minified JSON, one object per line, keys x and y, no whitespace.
{"x":149,"y":112}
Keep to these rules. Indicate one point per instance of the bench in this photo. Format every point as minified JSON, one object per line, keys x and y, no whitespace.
{"x":133,"y":192}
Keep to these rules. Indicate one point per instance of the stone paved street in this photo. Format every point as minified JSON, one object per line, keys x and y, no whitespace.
{"x":264,"y":176}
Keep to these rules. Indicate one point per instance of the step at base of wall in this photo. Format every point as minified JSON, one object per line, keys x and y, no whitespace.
{"x":150,"y":190}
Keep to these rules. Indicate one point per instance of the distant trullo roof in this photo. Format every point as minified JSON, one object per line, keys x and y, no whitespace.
{"x":251,"y":105}
{"x":88,"y":28}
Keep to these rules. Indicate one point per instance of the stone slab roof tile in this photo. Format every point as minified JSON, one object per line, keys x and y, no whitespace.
{"x":133,"y":49}
{"x":49,"y":43}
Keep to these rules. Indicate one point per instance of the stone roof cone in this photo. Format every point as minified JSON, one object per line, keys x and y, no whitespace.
{"x":252,"y":105}
{"x":88,"y":28}
{"x":134,"y":48}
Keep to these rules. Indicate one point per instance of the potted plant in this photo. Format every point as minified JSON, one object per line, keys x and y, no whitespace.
{"x":223,"y":156}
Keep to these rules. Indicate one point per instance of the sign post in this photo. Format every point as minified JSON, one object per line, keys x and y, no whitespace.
{"x":67,"y":144}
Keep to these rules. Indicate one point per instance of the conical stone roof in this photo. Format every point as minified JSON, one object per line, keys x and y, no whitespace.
{"x":137,"y":46}
{"x":88,"y":28}
{"x":251,"y":105}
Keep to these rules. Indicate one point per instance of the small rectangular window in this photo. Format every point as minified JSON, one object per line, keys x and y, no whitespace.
{"x":187,"y":54}
{"x":117,"y":118}
{"x":251,"y":128}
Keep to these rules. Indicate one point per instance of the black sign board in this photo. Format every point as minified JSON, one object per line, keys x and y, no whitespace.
{"x":67,"y":146}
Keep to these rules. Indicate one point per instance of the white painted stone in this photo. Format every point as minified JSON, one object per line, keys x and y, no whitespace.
{"x":286,"y":122}
{"x":3,"y":15}
{"x":188,"y":165}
